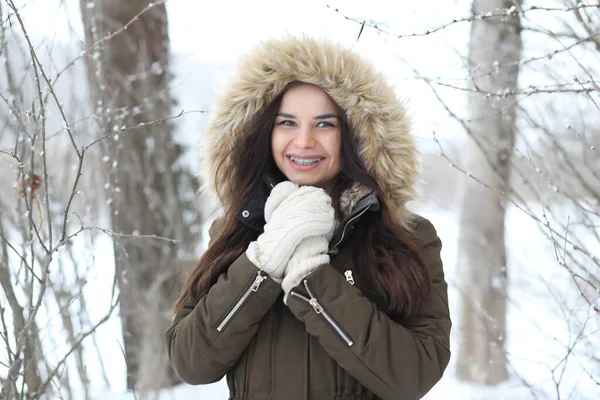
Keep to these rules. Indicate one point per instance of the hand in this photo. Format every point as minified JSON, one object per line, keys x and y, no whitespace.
{"x":310,"y":254}
{"x":305,"y":212}
{"x":278,"y":194}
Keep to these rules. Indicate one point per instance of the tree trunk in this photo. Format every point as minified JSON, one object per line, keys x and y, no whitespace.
{"x":149,"y":190}
{"x":495,"y":51}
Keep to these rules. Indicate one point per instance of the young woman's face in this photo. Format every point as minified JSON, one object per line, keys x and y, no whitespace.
{"x":307,"y":137}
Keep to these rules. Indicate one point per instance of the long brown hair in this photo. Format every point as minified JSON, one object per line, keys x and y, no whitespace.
{"x":398,"y":279}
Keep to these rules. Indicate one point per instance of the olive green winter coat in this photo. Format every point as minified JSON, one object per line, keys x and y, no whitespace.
{"x":330,"y":341}
{"x":341,"y":347}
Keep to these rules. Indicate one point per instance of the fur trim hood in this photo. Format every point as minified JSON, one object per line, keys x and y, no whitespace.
{"x":377,"y":117}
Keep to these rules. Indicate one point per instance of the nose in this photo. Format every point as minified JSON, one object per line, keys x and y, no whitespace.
{"x":306,"y":138}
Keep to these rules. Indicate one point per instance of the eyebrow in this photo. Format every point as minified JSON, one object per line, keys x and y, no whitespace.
{"x":324,"y":116}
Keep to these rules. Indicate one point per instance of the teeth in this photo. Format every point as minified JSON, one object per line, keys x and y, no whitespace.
{"x":305,"y":161}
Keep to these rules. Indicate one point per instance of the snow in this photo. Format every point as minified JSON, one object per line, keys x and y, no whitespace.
{"x":538,"y":333}
{"x":207,"y":37}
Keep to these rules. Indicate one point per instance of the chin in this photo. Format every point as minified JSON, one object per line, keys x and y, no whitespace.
{"x":305,"y":182}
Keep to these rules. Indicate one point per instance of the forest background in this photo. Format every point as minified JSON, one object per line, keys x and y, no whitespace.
{"x":102,"y":106}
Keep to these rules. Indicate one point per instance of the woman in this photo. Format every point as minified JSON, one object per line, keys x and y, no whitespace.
{"x":318,"y":283}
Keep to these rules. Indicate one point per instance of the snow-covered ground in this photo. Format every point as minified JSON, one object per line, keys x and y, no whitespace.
{"x":539,"y":333}
{"x":206,"y":38}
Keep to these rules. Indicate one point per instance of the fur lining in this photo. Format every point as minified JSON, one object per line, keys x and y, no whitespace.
{"x":378,"y":118}
{"x":351,"y":196}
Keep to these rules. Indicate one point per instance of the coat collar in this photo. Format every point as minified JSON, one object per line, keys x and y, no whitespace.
{"x":252,"y":213}
{"x":352,"y":201}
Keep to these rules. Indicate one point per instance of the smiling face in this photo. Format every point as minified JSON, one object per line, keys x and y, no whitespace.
{"x":306,"y":140}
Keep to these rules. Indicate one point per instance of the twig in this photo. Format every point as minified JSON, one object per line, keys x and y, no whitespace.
{"x":125,"y":357}
{"x":76,"y":345}
{"x":508,"y":13}
{"x":114,"y":234}
{"x":21,"y":257}
{"x":142,"y":124}
{"x":593,"y":35}
{"x":21,"y":338}
{"x":530,"y":214}
{"x":587,"y":92}
{"x":522,"y":92}
{"x":73,"y":192}
{"x":108,"y":37}
{"x":12,"y":5}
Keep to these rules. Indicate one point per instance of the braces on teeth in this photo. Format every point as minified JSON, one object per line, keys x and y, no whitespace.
{"x":305,"y":161}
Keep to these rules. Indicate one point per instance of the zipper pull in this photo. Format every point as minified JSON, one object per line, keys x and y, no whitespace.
{"x":349,"y":277}
{"x":257,"y":282}
{"x":313,"y":302}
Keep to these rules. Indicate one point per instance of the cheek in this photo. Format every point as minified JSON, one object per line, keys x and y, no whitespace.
{"x":339,"y":153}
{"x":276,"y":146}
{"x":335,"y":147}
{"x":279,"y":144}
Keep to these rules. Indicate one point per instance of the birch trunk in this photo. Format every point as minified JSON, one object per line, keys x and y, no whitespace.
{"x":494,"y":53}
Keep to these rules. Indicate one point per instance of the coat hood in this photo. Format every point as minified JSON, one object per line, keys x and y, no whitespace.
{"x":377,"y":117}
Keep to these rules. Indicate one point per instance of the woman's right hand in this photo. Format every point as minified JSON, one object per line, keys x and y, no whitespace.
{"x":292,"y":213}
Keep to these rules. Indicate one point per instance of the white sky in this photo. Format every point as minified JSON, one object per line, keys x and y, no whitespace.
{"x":222,"y":30}
{"x":218,"y":30}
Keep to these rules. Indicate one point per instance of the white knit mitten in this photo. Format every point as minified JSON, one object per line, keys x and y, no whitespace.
{"x":305,"y":212}
{"x":310,"y":254}
{"x":278,"y":194}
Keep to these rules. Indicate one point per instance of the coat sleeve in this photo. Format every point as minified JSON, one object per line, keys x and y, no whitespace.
{"x":394,"y":361}
{"x":205,"y":340}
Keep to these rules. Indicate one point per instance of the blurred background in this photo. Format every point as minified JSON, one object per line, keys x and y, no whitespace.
{"x":103,"y":104}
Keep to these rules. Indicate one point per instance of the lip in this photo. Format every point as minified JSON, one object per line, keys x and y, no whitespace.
{"x":304,"y":156}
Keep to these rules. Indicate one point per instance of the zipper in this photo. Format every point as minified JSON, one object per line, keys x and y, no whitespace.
{"x":349,"y":277}
{"x":323,"y":313}
{"x":252,"y":288}
{"x":307,"y":387}
{"x":334,"y":248}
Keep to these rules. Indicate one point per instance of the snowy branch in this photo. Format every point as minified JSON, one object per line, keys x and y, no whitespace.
{"x":108,"y":37}
{"x":499,"y":16}
{"x":124,"y":128}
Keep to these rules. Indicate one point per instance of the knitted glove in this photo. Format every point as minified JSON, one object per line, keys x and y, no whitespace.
{"x":306,"y":212}
{"x":310,"y":254}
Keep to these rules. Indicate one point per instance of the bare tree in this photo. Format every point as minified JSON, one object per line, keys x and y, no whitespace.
{"x":481,"y":248}
{"x":533,"y":116}
{"x":36,"y":232}
{"x":149,"y":186}
{"x":55,"y":193}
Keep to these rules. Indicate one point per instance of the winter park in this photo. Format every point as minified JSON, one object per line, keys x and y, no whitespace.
{"x":300,"y":200}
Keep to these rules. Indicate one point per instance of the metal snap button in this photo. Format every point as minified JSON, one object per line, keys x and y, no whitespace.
{"x":245,"y":213}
